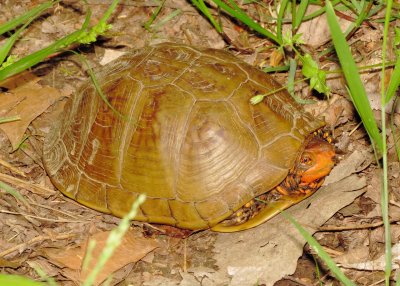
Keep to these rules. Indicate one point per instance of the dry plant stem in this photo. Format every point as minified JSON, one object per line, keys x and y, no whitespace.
{"x":26,"y":185}
{"x":56,"y":210}
{"x":13,"y":203}
{"x":12,"y":168}
{"x":394,"y":203}
{"x":332,"y":252}
{"x":154,"y":227}
{"x":353,"y":227}
{"x":355,"y":128}
{"x":377,"y":282}
{"x":43,"y":218}
{"x":35,"y":240}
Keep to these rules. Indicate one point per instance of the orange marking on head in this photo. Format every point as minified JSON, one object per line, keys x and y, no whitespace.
{"x":317,"y":160}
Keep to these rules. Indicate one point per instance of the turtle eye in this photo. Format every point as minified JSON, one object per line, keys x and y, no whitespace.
{"x":306,"y":160}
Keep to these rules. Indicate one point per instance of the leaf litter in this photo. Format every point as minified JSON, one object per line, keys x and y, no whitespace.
{"x":261,"y":255}
{"x":27,"y":99}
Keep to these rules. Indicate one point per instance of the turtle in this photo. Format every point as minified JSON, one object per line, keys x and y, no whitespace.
{"x":177,"y":125}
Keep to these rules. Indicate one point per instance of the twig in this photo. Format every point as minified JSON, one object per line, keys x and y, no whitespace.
{"x":34,"y":240}
{"x":355,"y":226}
{"x":42,"y":218}
{"x":26,"y":185}
{"x":12,"y":168}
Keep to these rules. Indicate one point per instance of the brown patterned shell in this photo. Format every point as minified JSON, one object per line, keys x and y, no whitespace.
{"x":190,"y":140}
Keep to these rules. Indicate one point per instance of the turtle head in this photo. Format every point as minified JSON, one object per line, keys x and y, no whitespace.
{"x":316,"y":161}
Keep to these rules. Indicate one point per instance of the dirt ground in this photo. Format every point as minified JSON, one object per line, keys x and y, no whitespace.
{"x":51,"y":231}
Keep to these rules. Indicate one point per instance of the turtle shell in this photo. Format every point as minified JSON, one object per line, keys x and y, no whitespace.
{"x":179,"y":127}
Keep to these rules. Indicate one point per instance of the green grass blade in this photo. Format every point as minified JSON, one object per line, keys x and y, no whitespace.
{"x":385,"y":187}
{"x":16,"y":280}
{"x":113,"y":240}
{"x":38,"y":56}
{"x":33,"y":13}
{"x":167,"y":18}
{"x":153,"y":16}
{"x":9,"y":119}
{"x":398,"y":280}
{"x":50,"y":281}
{"x":84,"y":35}
{"x":395,"y":133}
{"x":8,"y":189}
{"x":321,"y":252}
{"x":109,"y":11}
{"x":356,"y":88}
{"x":394,"y":82}
{"x":98,"y":88}
{"x":5,"y":49}
{"x":279,"y":20}
{"x":301,"y":11}
{"x":203,"y":8}
{"x":237,"y":13}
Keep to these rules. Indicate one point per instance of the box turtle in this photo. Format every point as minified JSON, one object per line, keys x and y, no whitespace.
{"x":179,"y":127}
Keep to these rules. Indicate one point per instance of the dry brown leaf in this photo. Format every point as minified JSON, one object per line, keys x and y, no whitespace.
{"x":315,"y":32}
{"x":10,"y":264}
{"x":270,"y":251}
{"x":276,"y":58}
{"x":27,"y":99}
{"x":359,"y":259}
{"x":110,"y":55}
{"x":131,"y":249}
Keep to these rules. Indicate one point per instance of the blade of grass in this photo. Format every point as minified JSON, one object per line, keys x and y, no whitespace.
{"x":165,"y":20}
{"x":9,"y":119}
{"x":394,"y":82}
{"x":7,"y":188}
{"x":49,"y":280}
{"x":83,"y":35}
{"x":98,"y":88}
{"x":153,"y":16}
{"x":319,"y":11}
{"x":356,"y":88}
{"x":292,"y":82}
{"x":320,"y":252}
{"x":280,"y":18}
{"x":16,"y":280}
{"x":385,"y":189}
{"x":301,"y":11}
{"x":244,"y":18}
{"x":203,"y":8}
{"x":33,"y":13}
{"x":6,"y":47}
{"x":396,"y":136}
{"x":114,"y":239}
{"x":38,"y":56}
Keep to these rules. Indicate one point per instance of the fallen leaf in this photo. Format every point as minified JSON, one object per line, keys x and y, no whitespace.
{"x":315,"y":32}
{"x":358,"y":259}
{"x":10,"y":264}
{"x":110,"y":55}
{"x":44,"y":265}
{"x":131,"y":249}
{"x":27,"y":99}
{"x":356,"y":162}
{"x":270,"y":251}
